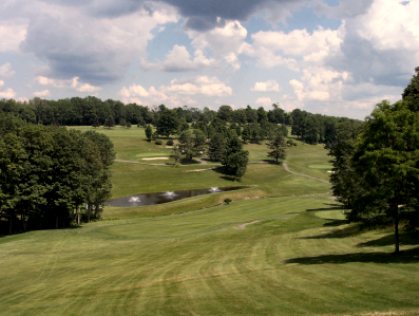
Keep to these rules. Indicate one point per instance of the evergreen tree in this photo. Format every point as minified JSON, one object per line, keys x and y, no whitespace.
{"x":235,"y":159}
{"x":216,"y":147}
{"x":149,"y":133}
{"x":277,"y":147}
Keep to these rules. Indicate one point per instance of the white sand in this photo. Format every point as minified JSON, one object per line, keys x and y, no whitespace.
{"x":155,"y":158}
{"x":243,"y":226}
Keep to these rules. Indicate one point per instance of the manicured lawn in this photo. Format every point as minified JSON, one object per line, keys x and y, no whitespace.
{"x":281,"y":247}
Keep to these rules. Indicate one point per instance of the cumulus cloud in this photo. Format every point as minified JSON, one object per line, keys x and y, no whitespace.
{"x":179,"y":59}
{"x":6,"y":70}
{"x":264,"y":101}
{"x":73,"y":83}
{"x":225,"y":41}
{"x":276,"y":48}
{"x":98,"y":50}
{"x":7,"y":93}
{"x":12,"y":35}
{"x":177,"y":92}
{"x":83,"y":87}
{"x":56,"y":83}
{"x":319,"y":84}
{"x":41,"y":94}
{"x":266,"y":86}
{"x":203,"y":85}
{"x":381,"y":45}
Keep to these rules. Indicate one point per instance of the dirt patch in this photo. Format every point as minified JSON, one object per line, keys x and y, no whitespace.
{"x":244,"y":225}
{"x":155,"y":158}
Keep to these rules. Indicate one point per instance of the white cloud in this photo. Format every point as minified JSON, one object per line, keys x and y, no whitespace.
{"x":391,"y":25}
{"x":12,"y":35}
{"x":73,"y":83}
{"x":381,"y":45}
{"x":177,"y":92}
{"x":41,"y":94}
{"x":224,"y":41}
{"x":203,"y":85}
{"x":56,"y":83}
{"x":151,"y":96}
{"x":97,"y":49}
{"x":6,"y":70}
{"x":266,"y":86}
{"x":83,"y":87}
{"x":274,"y":48}
{"x":264,"y":101}
{"x":179,"y":59}
{"x":319,"y":84}
{"x":8,"y":93}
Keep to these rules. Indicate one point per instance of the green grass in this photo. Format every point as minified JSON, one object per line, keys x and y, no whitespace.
{"x":281,"y":248}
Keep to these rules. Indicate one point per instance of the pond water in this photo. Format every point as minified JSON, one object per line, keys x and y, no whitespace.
{"x":164,"y":197}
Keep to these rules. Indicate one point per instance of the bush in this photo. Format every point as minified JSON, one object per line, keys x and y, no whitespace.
{"x":169,"y":142}
{"x":227,"y":201}
{"x":158,"y":142}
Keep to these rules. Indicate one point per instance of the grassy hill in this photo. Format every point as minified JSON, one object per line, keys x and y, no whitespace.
{"x":282,"y":247}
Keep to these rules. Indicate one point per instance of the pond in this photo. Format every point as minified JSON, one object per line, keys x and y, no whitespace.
{"x":164,"y":197}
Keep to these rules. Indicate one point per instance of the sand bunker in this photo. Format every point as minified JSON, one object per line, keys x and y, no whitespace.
{"x":243,"y":226}
{"x":155,"y":158}
{"x":199,"y":170}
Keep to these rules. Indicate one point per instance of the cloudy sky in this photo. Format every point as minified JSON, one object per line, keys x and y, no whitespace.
{"x":334,"y":57}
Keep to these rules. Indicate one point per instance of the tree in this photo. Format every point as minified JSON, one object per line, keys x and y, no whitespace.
{"x":411,"y":92}
{"x":216,"y":147}
{"x":149,"y":133}
{"x":167,"y":122}
{"x":191,"y":143}
{"x":386,"y":159}
{"x":344,"y":180}
{"x":235,"y":159}
{"x":277,"y":147}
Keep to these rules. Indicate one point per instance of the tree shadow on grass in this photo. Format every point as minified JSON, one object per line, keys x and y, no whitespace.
{"x":222,"y":172}
{"x":330,"y":207}
{"x":272,"y":162}
{"x":406,"y":238}
{"x":349,"y":231}
{"x":407,"y":256}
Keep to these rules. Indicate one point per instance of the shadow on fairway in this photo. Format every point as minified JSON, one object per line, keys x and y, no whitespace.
{"x":330,"y":207}
{"x":406,"y":238}
{"x":349,"y":231}
{"x":407,"y":256}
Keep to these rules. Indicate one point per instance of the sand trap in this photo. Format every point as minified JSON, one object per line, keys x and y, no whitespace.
{"x":155,"y":158}
{"x":199,"y":170}
{"x":243,"y":226}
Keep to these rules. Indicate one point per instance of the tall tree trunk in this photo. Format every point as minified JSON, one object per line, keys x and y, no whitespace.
{"x":78,"y":215}
{"x":10,"y":225}
{"x":396,"y":229}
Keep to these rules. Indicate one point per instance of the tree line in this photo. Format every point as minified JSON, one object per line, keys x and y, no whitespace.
{"x":251,"y":125}
{"x":376,"y":164}
{"x":51,"y":177}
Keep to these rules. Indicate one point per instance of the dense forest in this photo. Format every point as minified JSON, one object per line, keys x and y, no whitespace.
{"x":50,"y":177}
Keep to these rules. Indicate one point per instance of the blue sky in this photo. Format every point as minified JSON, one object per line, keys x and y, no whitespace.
{"x":324,"y":56}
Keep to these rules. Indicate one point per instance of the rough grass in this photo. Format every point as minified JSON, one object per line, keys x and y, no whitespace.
{"x":296,"y":255}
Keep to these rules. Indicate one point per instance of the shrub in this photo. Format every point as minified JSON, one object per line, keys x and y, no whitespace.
{"x":227,"y":201}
